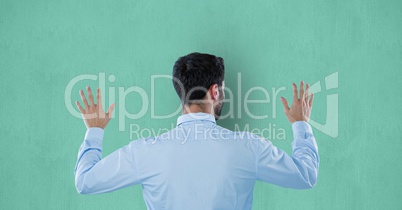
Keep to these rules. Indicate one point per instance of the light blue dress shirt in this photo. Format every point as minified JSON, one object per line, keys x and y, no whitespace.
{"x":197,"y":165}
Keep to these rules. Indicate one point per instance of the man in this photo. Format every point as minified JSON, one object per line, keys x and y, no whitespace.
{"x":198,"y":164}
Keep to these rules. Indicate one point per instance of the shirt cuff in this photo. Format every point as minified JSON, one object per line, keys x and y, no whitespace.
{"x":94,"y":134}
{"x":301,"y":128}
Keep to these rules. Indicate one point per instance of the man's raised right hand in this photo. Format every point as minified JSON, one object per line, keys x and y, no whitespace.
{"x":301,"y":107}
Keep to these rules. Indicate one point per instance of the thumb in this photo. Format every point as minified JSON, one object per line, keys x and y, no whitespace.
{"x":285,"y":104}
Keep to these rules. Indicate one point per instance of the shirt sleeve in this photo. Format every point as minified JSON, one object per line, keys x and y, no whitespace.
{"x":299,"y":170}
{"x":94,"y":175}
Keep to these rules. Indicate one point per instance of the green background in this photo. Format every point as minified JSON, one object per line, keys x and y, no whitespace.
{"x":45,"y":44}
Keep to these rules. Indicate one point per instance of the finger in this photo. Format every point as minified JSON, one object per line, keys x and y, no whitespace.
{"x":311,"y":100}
{"x":302,"y":90}
{"x":304,"y":102}
{"x":306,"y":93}
{"x":285,"y":104}
{"x":79,"y":107}
{"x":295,"y":97}
{"x":90,"y":96}
{"x":99,"y":99}
{"x":99,"y":104}
{"x":110,"y":110}
{"x":84,"y":99}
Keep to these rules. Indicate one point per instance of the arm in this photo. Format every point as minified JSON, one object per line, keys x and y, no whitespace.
{"x":93,"y":174}
{"x":300,"y":170}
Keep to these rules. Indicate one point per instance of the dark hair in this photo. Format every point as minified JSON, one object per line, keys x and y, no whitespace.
{"x":194,"y":73}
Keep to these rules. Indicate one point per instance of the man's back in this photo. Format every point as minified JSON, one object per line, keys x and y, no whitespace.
{"x":198,"y":165}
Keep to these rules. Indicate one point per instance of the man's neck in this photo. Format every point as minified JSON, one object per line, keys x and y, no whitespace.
{"x":194,"y":108}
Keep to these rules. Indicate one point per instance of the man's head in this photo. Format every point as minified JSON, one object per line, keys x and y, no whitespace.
{"x":198,"y":79}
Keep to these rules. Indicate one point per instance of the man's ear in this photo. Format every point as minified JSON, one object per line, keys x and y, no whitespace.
{"x":214,"y":92}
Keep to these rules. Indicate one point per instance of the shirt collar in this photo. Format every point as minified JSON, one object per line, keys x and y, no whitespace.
{"x":195,"y":116}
